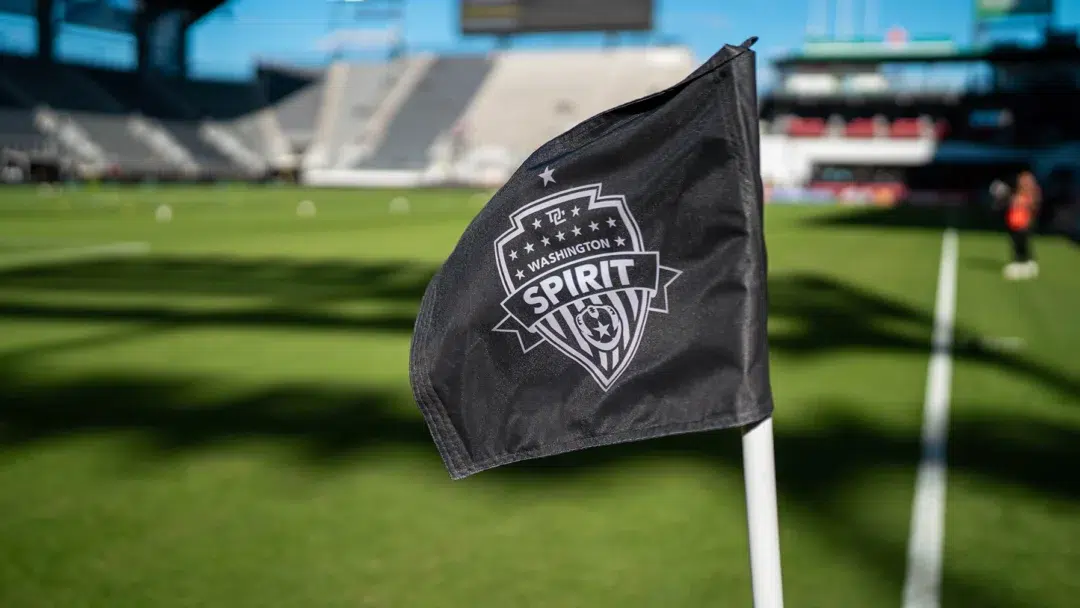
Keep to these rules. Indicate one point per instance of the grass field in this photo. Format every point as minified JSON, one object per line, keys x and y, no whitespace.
{"x":215,"y":411}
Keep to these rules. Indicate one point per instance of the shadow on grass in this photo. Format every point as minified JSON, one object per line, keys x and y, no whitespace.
{"x":969,"y":218}
{"x":819,"y":316}
{"x":813,"y":463}
{"x":334,"y":426}
{"x":826,"y":316}
{"x":278,"y":279}
{"x":171,"y":415}
{"x":817,"y":465}
{"x":276,"y":293}
{"x":909,"y":217}
{"x":265,"y":317}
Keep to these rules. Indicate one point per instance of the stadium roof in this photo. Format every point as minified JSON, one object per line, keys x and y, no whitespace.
{"x":199,"y":8}
{"x":922,"y":51}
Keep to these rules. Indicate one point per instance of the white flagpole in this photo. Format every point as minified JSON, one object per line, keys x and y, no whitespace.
{"x":759,"y":469}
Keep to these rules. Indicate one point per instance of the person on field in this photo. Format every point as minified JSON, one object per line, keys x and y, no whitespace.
{"x":1023,"y":206}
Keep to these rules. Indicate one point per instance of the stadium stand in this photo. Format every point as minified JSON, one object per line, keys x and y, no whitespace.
{"x":350,"y":95}
{"x":428,"y":113}
{"x":424,"y":118}
{"x":369,"y":124}
{"x":188,"y":135}
{"x":110,"y":117}
{"x":294,"y":96}
{"x":474,"y":118}
{"x":413,"y":114}
{"x":115,"y":135}
{"x":531,"y":97}
{"x":17,"y":131}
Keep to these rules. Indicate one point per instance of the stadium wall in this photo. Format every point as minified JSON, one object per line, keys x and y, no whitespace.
{"x":372,"y":178}
{"x":788,"y":161}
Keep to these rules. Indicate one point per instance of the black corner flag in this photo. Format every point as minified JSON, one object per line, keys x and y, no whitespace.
{"x":613,"y":290}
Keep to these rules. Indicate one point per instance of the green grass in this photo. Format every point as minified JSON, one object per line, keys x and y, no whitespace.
{"x":226,"y":421}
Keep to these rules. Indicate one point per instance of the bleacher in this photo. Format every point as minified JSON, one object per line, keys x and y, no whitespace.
{"x":530,"y":97}
{"x":299,"y":95}
{"x":877,"y":126}
{"x":397,"y":115}
{"x":350,"y":96}
{"x":158,"y":126}
{"x":114,"y":134}
{"x":434,"y":107}
{"x":406,"y":115}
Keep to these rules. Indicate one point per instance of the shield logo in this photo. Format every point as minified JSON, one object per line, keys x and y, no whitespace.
{"x":577,"y":276}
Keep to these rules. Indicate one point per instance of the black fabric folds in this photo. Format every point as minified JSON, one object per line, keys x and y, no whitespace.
{"x":613,"y":290}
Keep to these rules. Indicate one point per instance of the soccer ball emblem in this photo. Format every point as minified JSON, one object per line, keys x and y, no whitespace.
{"x":600,"y":326}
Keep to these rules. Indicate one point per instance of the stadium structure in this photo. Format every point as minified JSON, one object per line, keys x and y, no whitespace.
{"x":409,"y":119}
{"x":845,"y":120}
{"x":923,"y":120}
{"x":205,"y":394}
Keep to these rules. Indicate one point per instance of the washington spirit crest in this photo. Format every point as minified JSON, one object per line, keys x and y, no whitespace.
{"x":576,"y":275}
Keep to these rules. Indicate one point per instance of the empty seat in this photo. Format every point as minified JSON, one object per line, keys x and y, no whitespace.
{"x":806,"y":127}
{"x":122,"y":148}
{"x":435,"y":105}
{"x":859,"y":127}
{"x":905,"y":128}
{"x":532,"y":96}
{"x":297,"y":112}
{"x":186,"y":133}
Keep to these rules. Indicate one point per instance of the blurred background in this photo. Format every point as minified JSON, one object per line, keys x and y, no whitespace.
{"x":217,"y":220}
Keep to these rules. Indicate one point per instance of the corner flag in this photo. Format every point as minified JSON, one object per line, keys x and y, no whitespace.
{"x":613,"y":290}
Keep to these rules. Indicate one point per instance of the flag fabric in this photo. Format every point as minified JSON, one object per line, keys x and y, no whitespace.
{"x":613,"y":290}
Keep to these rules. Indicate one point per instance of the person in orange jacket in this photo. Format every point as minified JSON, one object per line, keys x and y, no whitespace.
{"x":1023,"y":206}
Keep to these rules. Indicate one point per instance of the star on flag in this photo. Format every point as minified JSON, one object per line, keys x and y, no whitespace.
{"x":548,"y":176}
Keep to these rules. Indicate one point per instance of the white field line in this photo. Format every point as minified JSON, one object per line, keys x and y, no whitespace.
{"x":922,"y":582}
{"x":67,"y":254}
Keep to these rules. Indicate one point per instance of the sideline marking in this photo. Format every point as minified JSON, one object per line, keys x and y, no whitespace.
{"x":922,"y":583}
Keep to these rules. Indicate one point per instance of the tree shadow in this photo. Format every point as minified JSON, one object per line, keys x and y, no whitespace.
{"x":170,"y":416}
{"x":1061,"y":221}
{"x":168,"y":317}
{"x":824,"y":315}
{"x":330,"y":427}
{"x":814,"y":462}
{"x":277,"y":278}
{"x":820,"y":316}
{"x":277,"y":292}
{"x":909,"y":217}
{"x":816,"y":467}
